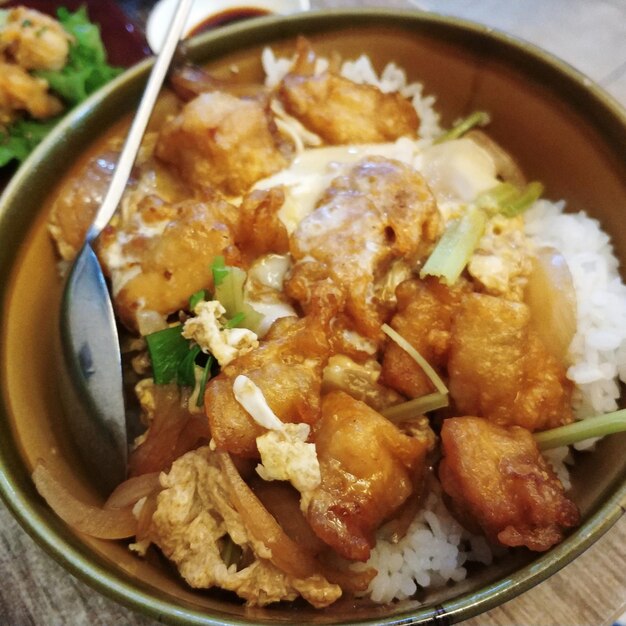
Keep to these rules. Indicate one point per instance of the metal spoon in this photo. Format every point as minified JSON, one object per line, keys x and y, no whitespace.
{"x":93,"y":392}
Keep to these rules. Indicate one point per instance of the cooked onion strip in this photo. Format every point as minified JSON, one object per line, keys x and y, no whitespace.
{"x":506,"y":166}
{"x":128,"y":493}
{"x":415,"y":408}
{"x":417,"y":357}
{"x":287,"y":555}
{"x":580,"y":431}
{"x":90,"y":520}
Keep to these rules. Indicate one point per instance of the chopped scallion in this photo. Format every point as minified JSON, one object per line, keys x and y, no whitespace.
{"x":478,"y":118}
{"x":206,"y":374}
{"x":236,"y":320}
{"x":456,"y":246}
{"x":185,"y":374}
{"x":219,"y":270}
{"x":229,"y":287}
{"x":509,"y":200}
{"x":167,"y":349}
{"x":580,"y":431}
{"x":196,"y":298}
{"x":527,"y":197}
{"x":415,"y":408}
{"x":417,"y":357}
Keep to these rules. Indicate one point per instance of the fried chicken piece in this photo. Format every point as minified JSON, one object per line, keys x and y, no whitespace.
{"x":287,"y":367}
{"x":424,"y":317}
{"x":260,"y":230}
{"x":21,"y":92}
{"x":164,"y":254}
{"x":498,"y":481}
{"x":369,"y":469}
{"x":34,"y":40}
{"x":500,"y":369}
{"x":82,"y":192}
{"x":341,"y":111}
{"x":379,"y":211}
{"x":222,"y":141}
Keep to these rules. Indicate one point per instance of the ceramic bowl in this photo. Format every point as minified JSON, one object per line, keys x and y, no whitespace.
{"x":564,"y":132}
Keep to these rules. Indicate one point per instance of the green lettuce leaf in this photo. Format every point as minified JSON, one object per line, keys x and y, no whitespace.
{"x":86,"y":69}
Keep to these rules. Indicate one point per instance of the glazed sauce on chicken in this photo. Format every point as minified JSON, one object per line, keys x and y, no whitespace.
{"x":222,"y":18}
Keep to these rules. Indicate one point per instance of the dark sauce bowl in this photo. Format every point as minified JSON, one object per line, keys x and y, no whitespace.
{"x":563,"y":130}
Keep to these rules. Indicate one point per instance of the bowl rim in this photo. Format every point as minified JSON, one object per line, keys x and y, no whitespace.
{"x":129,"y":592}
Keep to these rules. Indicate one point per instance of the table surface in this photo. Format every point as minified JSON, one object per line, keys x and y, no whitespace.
{"x":591,"y":36}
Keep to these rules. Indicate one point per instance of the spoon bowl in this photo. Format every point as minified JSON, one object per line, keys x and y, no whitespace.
{"x":90,"y":345}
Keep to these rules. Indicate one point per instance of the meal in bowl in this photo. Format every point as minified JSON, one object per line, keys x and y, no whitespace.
{"x":348,"y":331}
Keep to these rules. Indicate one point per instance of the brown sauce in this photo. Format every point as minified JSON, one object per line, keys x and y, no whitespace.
{"x":227,"y":17}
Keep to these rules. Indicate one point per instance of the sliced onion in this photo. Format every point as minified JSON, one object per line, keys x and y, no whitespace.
{"x":506,"y":166}
{"x":91,"y":520}
{"x":551,"y":296}
{"x":287,"y":555}
{"x":144,"y":522}
{"x":132,"y":490}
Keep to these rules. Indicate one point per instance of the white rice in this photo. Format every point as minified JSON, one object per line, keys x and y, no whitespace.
{"x":361,"y":71}
{"x":432,"y":553}
{"x":436,"y":548}
{"x":598,"y":350}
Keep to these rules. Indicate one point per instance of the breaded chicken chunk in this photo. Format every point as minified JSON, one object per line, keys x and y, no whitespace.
{"x":287,"y":367}
{"x":498,"y":481}
{"x":499,"y":368}
{"x":369,"y":469}
{"x":20,"y":92}
{"x":341,"y":111}
{"x":381,"y":210}
{"x":164,"y":254}
{"x":34,"y":40}
{"x":222,"y":141}
{"x":424,"y":317}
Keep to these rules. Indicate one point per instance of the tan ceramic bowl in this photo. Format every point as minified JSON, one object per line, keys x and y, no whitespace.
{"x":564,"y":132}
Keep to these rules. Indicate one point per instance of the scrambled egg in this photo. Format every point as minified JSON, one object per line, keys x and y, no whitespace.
{"x":285,"y":455}
{"x":208,"y":331}
{"x":502,"y":261}
{"x":194,"y":516}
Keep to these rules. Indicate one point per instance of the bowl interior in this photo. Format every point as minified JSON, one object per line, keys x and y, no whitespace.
{"x":563,"y":133}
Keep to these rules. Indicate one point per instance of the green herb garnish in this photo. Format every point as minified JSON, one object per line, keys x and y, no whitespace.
{"x":509,"y":200}
{"x":167,"y":349}
{"x":219,"y":270}
{"x":229,"y":285}
{"x":479,"y":118}
{"x":206,"y":374}
{"x":417,"y":407}
{"x":456,"y":246}
{"x":185,"y":373}
{"x":196,"y":298}
{"x":584,"y":429}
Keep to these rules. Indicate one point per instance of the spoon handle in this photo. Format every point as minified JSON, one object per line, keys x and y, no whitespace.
{"x":140,"y":121}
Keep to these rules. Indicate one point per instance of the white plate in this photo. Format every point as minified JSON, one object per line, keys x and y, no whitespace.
{"x":202,"y":10}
